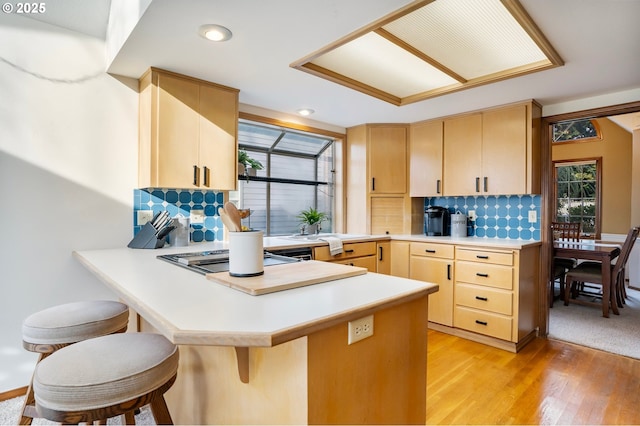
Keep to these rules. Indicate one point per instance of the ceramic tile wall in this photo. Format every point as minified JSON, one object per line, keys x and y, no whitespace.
{"x":181,"y":201}
{"x":504,"y":216}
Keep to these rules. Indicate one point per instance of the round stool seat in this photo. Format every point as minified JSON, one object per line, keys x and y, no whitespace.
{"x":62,"y":325}
{"x":103,"y":372}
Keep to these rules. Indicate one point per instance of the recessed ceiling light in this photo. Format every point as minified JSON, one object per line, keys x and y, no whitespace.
{"x":305,"y":111}
{"x":215,"y":32}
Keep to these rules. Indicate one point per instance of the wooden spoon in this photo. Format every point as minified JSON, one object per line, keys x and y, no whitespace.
{"x":231,"y":227}
{"x":234,"y":214}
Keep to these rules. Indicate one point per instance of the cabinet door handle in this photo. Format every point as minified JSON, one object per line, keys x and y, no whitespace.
{"x":484,"y":299}
{"x":486,"y":181}
{"x":438,"y":186}
{"x":477,"y":184}
{"x":481,"y":322}
{"x":380,"y":253}
{"x":429,"y":251}
{"x":373,"y":184}
{"x":482,"y":257}
{"x":482,"y":275}
{"x":196,"y":173}
{"x":206,"y":176}
{"x":449,"y":272}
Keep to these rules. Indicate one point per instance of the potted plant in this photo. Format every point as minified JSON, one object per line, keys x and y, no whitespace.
{"x":247,"y":165}
{"x":311,"y":219}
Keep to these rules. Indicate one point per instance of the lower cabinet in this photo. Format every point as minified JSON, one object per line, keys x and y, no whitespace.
{"x":495,"y":293}
{"x":486,"y":294}
{"x":434,"y":263}
{"x":355,"y":254}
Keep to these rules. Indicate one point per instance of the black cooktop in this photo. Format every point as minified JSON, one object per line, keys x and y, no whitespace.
{"x":205,"y":262}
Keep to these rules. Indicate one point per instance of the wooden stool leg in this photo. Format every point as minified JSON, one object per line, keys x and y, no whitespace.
{"x":129,"y":418}
{"x":161,"y":411}
{"x":29,"y":406}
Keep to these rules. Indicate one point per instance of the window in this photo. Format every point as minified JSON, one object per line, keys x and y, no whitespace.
{"x":575,"y":130}
{"x":298,"y":173}
{"x":578,"y":194}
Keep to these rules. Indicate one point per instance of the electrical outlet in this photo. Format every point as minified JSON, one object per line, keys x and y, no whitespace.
{"x":197,"y":216}
{"x":472,"y":215}
{"x":533,"y":216}
{"x":144,"y":216}
{"x":360,"y":329}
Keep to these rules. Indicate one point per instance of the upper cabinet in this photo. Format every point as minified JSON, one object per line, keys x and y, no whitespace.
{"x":493,"y":152}
{"x":387,"y":160}
{"x":377,"y":199}
{"x":188,"y":133}
{"x":426,"y":155}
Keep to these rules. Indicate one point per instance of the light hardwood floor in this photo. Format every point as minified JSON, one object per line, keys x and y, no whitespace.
{"x":548,"y":382}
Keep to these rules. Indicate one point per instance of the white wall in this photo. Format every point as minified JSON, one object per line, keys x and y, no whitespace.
{"x":68,"y":166}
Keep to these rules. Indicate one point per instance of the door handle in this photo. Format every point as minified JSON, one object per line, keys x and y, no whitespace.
{"x":449,"y":272}
{"x":196,"y":173}
{"x":380,"y":253}
{"x":438,"y":186}
{"x":477,"y":184}
{"x":206,"y":171}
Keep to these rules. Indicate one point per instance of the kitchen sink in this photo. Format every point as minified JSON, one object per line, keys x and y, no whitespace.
{"x":313,"y":237}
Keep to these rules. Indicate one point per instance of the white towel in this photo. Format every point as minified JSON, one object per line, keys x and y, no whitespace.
{"x":335,"y":245}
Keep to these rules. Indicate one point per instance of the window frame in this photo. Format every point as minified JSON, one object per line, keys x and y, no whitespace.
{"x":598,"y":180}
{"x":594,"y":123}
{"x":336,"y":147}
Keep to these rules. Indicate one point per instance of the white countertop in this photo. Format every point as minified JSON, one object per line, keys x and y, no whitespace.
{"x":189,"y":309}
{"x":498,"y":243}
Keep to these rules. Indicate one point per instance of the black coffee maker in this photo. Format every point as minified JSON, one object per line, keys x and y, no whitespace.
{"x":436,"y":221}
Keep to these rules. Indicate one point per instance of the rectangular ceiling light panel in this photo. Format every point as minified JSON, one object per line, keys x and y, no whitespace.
{"x":378,"y":63}
{"x":476,"y":38}
{"x":433,"y":47}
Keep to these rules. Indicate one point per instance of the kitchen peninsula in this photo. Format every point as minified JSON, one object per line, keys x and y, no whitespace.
{"x":283,"y":357}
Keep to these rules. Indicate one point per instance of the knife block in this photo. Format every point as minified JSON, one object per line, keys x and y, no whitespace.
{"x":147,"y":238}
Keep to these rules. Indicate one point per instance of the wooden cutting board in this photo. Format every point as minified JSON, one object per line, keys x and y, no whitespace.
{"x":287,"y":276}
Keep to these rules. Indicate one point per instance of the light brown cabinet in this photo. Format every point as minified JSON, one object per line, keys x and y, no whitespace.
{"x":495,"y":293}
{"x":426,"y":157}
{"x":383,"y":257}
{"x":493,"y":152}
{"x":188,"y":132}
{"x":377,"y":199}
{"x":434,"y":263}
{"x":485,"y":294}
{"x":361,"y":254}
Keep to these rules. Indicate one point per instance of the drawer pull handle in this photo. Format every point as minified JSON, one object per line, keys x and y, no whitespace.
{"x":482,"y":257}
{"x":430,"y":251}
{"x":349,"y":251}
{"x":484,"y":299}
{"x":481,"y":322}
{"x":482,"y":275}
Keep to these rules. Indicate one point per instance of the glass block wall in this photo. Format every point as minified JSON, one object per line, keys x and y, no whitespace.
{"x":181,"y":201}
{"x":504,"y":216}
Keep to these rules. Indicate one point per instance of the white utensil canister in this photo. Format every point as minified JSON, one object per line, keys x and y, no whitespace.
{"x":246,"y":254}
{"x":458,"y":225}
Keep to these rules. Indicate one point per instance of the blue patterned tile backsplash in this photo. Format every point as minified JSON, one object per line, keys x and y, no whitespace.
{"x":503,"y":216}
{"x":182,"y":201}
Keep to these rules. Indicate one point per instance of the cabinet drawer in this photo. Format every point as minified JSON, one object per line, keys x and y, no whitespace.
{"x":349,"y":250}
{"x":484,"y":298}
{"x":486,"y":323}
{"x":444,"y":251}
{"x":368,"y":262}
{"x":485,"y":274}
{"x":485,"y":256}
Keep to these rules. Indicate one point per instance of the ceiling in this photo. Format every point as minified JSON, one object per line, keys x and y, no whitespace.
{"x":599,"y":42}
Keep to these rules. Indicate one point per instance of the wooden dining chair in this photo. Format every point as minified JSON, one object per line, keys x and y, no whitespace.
{"x":591,"y":272}
{"x":568,"y":232}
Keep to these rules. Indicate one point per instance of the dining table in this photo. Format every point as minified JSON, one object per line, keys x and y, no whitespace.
{"x":603,"y":252}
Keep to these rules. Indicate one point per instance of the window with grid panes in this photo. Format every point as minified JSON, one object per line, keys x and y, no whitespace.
{"x":297,"y":174}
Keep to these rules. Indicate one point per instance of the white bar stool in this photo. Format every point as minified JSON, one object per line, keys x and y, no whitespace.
{"x":107,"y":376}
{"x":54,"y":328}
